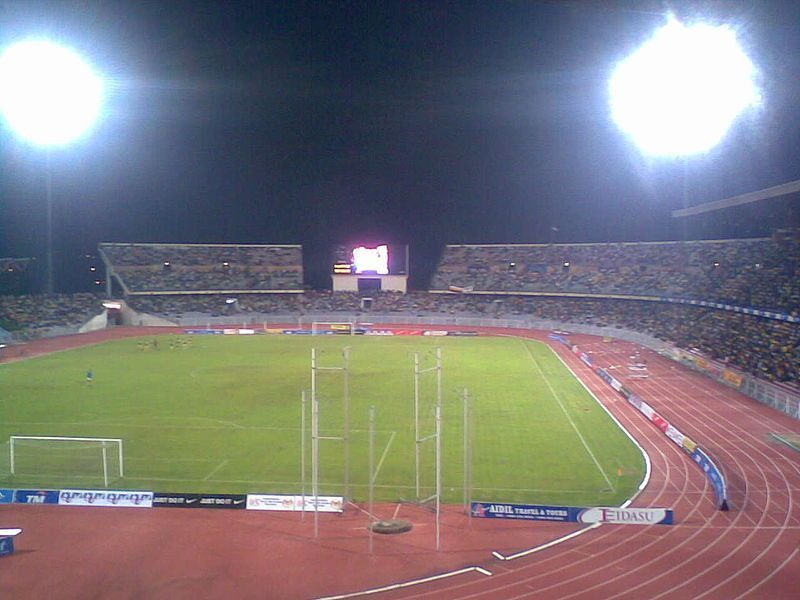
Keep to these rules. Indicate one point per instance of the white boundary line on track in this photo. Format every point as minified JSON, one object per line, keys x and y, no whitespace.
{"x":398,"y":586}
{"x":642,"y":485}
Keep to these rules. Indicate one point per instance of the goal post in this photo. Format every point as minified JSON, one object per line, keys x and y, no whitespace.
{"x":66,"y":454}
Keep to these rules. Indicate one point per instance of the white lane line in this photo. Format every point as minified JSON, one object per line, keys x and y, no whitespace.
{"x":569,"y":417}
{"x":215,"y":470}
{"x":383,"y":456}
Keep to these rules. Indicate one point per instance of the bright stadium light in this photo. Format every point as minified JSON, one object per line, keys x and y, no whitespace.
{"x":48,"y":95}
{"x":679,"y":93}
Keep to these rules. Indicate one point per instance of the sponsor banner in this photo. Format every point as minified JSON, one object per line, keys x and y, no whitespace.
{"x":585,"y":358}
{"x":281,"y":502}
{"x":688,"y":444}
{"x":636,"y":401}
{"x":675,"y":435}
{"x":463,"y":333}
{"x":616,"y":385}
{"x":627,"y":516}
{"x":714,"y":475}
{"x":558,"y":338}
{"x":229,"y":332}
{"x":6,"y":546}
{"x":296,"y":332}
{"x":408,"y":332}
{"x":625,"y":392}
{"x":174,"y":500}
{"x":734,"y":379}
{"x":434,"y":332}
{"x":131,"y":499}
{"x":659,"y":422}
{"x":273,"y":330}
{"x":36,"y":496}
{"x":379,"y":332}
{"x":203,"y":331}
{"x":247,"y":332}
{"x":6,"y":496}
{"x":526,"y":512}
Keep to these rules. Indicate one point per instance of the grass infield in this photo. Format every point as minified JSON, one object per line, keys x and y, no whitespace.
{"x":222,"y":414}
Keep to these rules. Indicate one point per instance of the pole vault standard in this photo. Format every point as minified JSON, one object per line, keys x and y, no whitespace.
{"x":419,"y":439}
{"x":467,"y":456}
{"x":316,"y":437}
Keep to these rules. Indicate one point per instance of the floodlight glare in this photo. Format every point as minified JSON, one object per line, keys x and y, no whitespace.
{"x":679,"y":93}
{"x":48,"y":95}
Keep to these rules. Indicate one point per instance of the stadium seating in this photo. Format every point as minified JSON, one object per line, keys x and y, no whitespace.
{"x":196,"y":267}
{"x":29,"y":316}
{"x":763,"y":273}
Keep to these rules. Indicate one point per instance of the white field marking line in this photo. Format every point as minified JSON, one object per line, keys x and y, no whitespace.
{"x":649,"y":434}
{"x":405,"y":584}
{"x":396,"y":510}
{"x":647,"y":464}
{"x":216,"y":469}
{"x":383,"y":456}
{"x":569,"y":417}
{"x":363,"y":510}
{"x":641,"y":487}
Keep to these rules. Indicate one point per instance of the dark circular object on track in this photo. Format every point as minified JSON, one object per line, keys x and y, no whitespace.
{"x":391,"y":526}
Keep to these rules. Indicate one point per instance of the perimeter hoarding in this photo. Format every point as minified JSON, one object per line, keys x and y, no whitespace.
{"x":572,"y":514}
{"x":130,"y":499}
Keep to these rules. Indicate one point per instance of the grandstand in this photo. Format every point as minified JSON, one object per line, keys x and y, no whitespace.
{"x":202,"y":268}
{"x":760,"y":272}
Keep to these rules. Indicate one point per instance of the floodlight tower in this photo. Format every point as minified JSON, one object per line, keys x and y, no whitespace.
{"x":681,"y":91}
{"x":49,"y":97}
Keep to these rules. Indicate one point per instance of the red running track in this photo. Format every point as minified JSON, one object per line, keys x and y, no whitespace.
{"x":749,"y":552}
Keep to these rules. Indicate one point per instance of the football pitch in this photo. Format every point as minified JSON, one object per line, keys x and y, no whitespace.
{"x":223,"y":413}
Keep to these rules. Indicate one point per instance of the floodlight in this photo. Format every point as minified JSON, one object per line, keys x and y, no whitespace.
{"x":679,"y":93}
{"x":48,"y":95}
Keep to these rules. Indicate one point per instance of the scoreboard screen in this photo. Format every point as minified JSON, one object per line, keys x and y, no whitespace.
{"x":371,"y":259}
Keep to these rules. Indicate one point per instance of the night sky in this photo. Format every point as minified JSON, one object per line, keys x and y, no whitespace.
{"x":414,"y":122}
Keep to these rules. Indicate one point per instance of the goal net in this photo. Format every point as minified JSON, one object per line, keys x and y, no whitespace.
{"x":333,"y":327}
{"x":85,"y":458}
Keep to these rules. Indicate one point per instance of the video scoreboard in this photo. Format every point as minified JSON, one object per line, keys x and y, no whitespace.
{"x":371,"y":259}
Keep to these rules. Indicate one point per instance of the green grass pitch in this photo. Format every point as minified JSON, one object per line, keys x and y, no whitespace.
{"x":223,"y":415}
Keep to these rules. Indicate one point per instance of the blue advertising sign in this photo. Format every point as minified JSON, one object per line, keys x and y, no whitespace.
{"x":36,"y":496}
{"x":528,"y":512}
{"x":6,"y":496}
{"x":6,"y":546}
{"x":712,"y":472}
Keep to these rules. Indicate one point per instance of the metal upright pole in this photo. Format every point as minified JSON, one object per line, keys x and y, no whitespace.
{"x":438,"y":468}
{"x":315,"y":440}
{"x":105,"y":465}
{"x":467,"y":458}
{"x":346,"y":435}
{"x":315,"y":461}
{"x":303,"y":452}
{"x":416,"y":422}
{"x":121,"y":463}
{"x":371,"y":471}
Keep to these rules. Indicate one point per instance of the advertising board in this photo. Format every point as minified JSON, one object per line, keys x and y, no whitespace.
{"x":129,"y":499}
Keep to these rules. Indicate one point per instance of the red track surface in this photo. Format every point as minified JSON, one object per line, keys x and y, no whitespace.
{"x":751,"y":551}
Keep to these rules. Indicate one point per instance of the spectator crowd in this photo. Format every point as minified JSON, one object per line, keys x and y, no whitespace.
{"x":196,"y":267}
{"x":762,"y":273}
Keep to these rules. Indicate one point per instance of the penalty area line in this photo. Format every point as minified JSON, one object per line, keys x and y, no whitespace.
{"x":405,"y":584}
